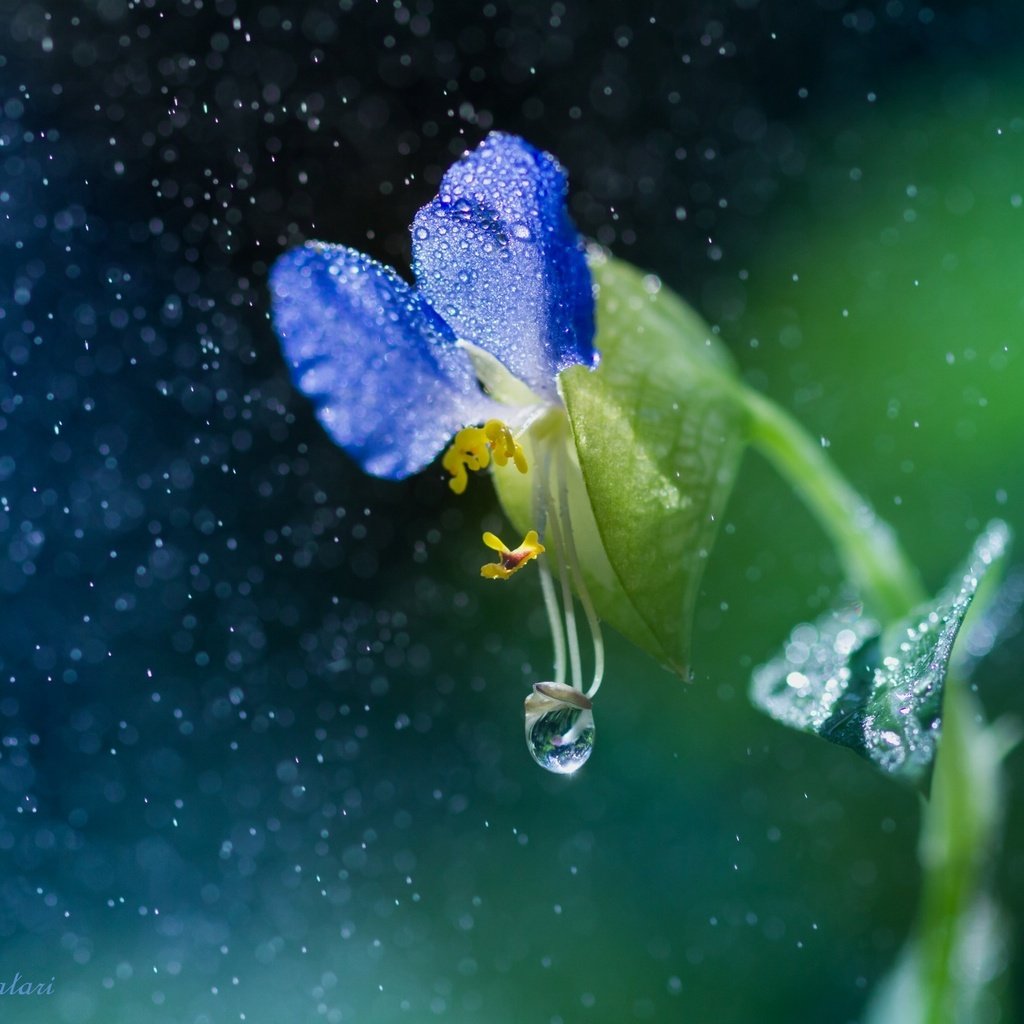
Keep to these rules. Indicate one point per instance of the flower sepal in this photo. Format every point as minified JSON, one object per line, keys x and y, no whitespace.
{"x":652,"y":439}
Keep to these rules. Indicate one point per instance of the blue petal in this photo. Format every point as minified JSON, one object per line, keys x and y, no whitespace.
{"x":498,"y":257}
{"x":388,"y":382}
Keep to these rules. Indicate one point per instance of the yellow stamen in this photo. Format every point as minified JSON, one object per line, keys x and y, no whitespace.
{"x":504,"y":445}
{"x":469,"y":450}
{"x":472,"y":450}
{"x":510,"y":561}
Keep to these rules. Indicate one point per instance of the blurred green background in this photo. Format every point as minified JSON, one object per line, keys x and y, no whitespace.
{"x":262,"y":738}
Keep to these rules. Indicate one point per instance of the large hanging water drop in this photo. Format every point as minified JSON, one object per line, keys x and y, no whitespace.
{"x":559,"y":727}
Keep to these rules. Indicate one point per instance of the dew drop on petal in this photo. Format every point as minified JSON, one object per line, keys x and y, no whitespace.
{"x":559,"y":727}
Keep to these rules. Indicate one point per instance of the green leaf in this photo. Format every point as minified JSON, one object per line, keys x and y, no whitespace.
{"x":879,"y":693}
{"x":658,"y":431}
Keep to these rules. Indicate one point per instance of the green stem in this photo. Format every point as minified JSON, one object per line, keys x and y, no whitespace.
{"x":872,"y":557}
{"x":960,"y":821}
{"x":959,"y":835}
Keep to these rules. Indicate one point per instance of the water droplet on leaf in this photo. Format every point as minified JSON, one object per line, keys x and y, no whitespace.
{"x":559,"y":727}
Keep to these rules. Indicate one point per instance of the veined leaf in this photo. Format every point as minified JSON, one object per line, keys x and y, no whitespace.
{"x":658,"y":434}
{"x":879,"y":693}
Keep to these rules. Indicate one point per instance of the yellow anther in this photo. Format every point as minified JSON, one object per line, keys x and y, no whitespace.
{"x":472,"y":450}
{"x":469,"y":450}
{"x":504,"y":445}
{"x":510,"y":561}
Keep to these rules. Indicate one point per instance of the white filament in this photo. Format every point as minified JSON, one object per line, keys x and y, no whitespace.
{"x":568,"y":606}
{"x":572,"y":558}
{"x":547,"y":584}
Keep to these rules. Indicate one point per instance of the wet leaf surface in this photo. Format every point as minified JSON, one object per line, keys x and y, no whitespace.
{"x":659,"y":434}
{"x":877,"y":692}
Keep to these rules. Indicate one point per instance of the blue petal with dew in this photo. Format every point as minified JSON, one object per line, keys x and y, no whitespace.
{"x":382,"y":368}
{"x":498,"y":257}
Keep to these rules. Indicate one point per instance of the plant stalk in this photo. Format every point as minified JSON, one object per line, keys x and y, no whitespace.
{"x":871,"y":555}
{"x":941,"y":979}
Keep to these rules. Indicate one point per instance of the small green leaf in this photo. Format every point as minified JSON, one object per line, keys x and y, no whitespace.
{"x":879,"y":693}
{"x":658,"y":432}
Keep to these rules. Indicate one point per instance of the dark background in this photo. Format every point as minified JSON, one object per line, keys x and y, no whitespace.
{"x":261,"y":723}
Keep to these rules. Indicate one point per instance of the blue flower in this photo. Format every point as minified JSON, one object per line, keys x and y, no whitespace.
{"x":503,"y":302}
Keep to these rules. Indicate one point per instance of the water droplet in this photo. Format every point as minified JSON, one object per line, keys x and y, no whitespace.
{"x":521,"y":231}
{"x":559,"y":727}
